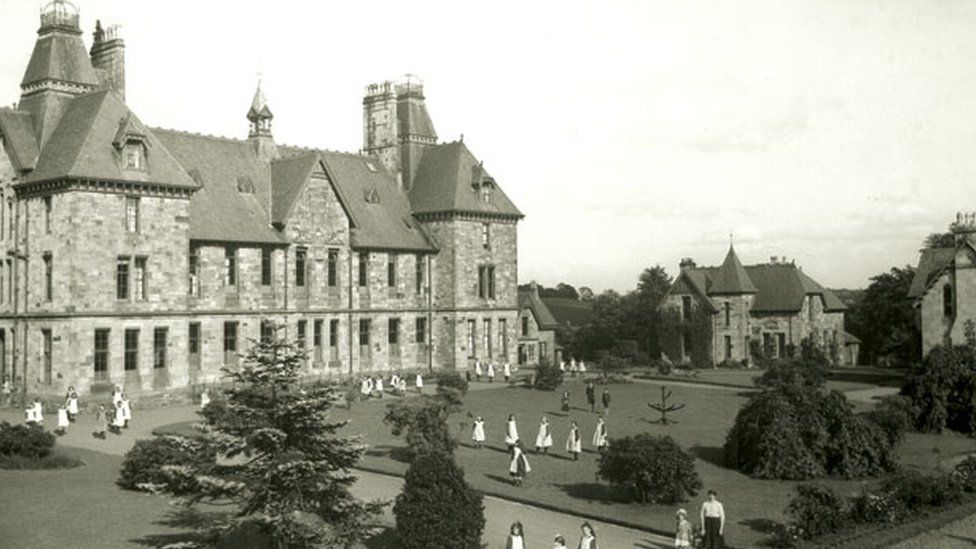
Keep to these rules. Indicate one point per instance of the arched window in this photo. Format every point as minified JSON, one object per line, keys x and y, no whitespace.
{"x":947,"y":301}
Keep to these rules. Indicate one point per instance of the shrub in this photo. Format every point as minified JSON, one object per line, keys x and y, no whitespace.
{"x":662,"y":365}
{"x":142,"y":468}
{"x":54,"y":460}
{"x":548,"y":376}
{"x":613,"y":363}
{"x":655,"y":469}
{"x":423,"y":423}
{"x":815,"y":510}
{"x":943,"y":390}
{"x":792,"y":372}
{"x":874,"y":508}
{"x":452,"y":387}
{"x":895,"y":415}
{"x":437,"y":509}
{"x":917,"y":491}
{"x":28,"y":441}
{"x":965,"y":474}
{"x":855,"y":446}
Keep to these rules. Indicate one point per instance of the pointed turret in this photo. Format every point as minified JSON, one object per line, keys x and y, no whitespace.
{"x":732,"y":278}
{"x":259,"y":116}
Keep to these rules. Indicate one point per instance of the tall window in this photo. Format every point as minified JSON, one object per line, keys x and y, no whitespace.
{"x":486,"y":235}
{"x":503,"y":335}
{"x":100,"y":355}
{"x":139,"y":282}
{"x":302,"y":333}
{"x":486,"y":336}
{"x":132,"y":214}
{"x":525,"y":325}
{"x":131,"y":358}
{"x":230,"y":342}
{"x":122,"y":278}
{"x":47,"y":214}
{"x":334,"y":339}
{"x":300,"y":261}
{"x":230,"y":266}
{"x":332,"y":273}
{"x":486,"y":282}
{"x":194,"y":270}
{"x":393,"y":331}
{"x":267,"y":331}
{"x":948,"y":304}
{"x":686,"y":307}
{"x":421,"y":330}
{"x":159,"y":347}
{"x":686,"y":344}
{"x":728,"y":347}
{"x":48,"y":367}
{"x":391,"y":270}
{"x":363,"y":268}
{"x":48,"y":277}
{"x":364,"y":328}
{"x":728,"y":313}
{"x":266,"y":266}
{"x":419,"y":273}
{"x":472,"y":342}
{"x":317,"y":338}
{"x":134,"y":155}
{"x":193,"y":338}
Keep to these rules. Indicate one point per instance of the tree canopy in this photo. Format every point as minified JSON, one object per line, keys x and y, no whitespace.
{"x":884,"y":319}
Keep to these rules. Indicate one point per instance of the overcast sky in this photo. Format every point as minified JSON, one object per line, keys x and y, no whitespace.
{"x":838,"y":134}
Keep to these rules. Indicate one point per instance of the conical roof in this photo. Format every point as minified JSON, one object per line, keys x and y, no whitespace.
{"x":259,"y":106}
{"x":732,"y":277}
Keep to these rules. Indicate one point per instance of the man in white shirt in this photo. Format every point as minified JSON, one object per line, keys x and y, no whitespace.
{"x":713,"y":521}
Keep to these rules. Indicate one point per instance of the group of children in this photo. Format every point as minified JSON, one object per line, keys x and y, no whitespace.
{"x":488,"y":369}
{"x":573,"y":367}
{"x":67,"y":411}
{"x":373,"y":386}
{"x":516,"y":538}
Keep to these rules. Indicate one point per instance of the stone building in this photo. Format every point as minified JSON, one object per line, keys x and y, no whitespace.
{"x":537,"y":329}
{"x":149,"y":257}
{"x":943,"y":290}
{"x":730,"y":313}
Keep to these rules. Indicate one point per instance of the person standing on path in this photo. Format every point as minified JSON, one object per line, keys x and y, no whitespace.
{"x":419,"y":383}
{"x":606,"y":402}
{"x":682,"y":532}
{"x":126,"y":410}
{"x":574,"y":443}
{"x":72,"y":404}
{"x":491,"y":372}
{"x":588,"y":539}
{"x":38,"y":411}
{"x":600,"y":435}
{"x":101,"y":422}
{"x":511,"y":433}
{"x":516,"y":537}
{"x":543,"y":441}
{"x":119,"y":420}
{"x":713,"y":521}
{"x":478,"y":432}
{"x":477,"y":370}
{"x":519,"y":468}
{"x":591,"y":395}
{"x":62,"y":420}
{"x":116,"y":396}
{"x":565,"y":401}
{"x":507,"y":371}
{"x":5,"y":390}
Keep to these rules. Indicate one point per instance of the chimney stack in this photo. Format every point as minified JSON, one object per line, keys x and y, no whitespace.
{"x":108,"y":58}
{"x":687,"y":263}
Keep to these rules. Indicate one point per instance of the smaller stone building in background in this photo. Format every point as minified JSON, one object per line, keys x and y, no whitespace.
{"x":731,"y":313}
{"x":536,"y":330}
{"x":943,"y":291}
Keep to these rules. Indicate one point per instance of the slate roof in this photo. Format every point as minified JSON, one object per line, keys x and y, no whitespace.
{"x":259,"y":106}
{"x":780,"y":288}
{"x":529,"y":299}
{"x":931,"y":263}
{"x":289,"y":176}
{"x":413,"y":119}
{"x":731,"y":277}
{"x":18,"y":132}
{"x":851,"y":339}
{"x":444,"y":183}
{"x":81,"y":146}
{"x":60,"y":56}
{"x":218,"y":211}
{"x":569,"y":311}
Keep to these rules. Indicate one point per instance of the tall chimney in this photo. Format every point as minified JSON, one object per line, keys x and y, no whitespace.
{"x":108,"y":58}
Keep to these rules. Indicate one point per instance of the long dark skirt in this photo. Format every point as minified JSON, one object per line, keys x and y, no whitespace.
{"x":713,"y":540}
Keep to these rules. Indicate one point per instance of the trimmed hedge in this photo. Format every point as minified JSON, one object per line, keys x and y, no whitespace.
{"x":25,"y":440}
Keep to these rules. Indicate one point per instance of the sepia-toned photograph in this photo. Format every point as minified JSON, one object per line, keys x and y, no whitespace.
{"x":633,"y":274}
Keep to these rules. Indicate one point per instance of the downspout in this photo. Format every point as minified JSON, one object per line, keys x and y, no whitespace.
{"x":430,"y":315}
{"x":349,"y":313}
{"x":16,"y":291}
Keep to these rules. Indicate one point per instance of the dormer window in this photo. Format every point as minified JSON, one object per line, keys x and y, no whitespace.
{"x":486,"y":187}
{"x":134,"y":155}
{"x":371,"y":196}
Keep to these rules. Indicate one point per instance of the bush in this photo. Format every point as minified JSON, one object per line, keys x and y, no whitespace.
{"x":548,"y":376}
{"x":815,"y":510}
{"x":917,"y":491}
{"x":142,"y":468}
{"x":437,"y":509}
{"x":792,"y":372}
{"x":54,"y":460}
{"x":610,"y":379}
{"x":423,"y":423}
{"x":613,"y":363}
{"x":965,"y":474}
{"x":663,"y":366}
{"x":655,"y":469}
{"x":874,"y":508}
{"x":943,"y":390}
{"x":25,"y":440}
{"x":452,"y":386}
{"x":855,"y":446}
{"x":895,"y":415}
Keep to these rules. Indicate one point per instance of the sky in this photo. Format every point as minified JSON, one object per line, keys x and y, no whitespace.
{"x":630,"y":133}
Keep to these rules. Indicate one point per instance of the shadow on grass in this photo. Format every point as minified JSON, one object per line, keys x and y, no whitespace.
{"x":712,"y":454}
{"x":593,"y":491}
{"x":763,"y":526}
{"x":499,"y":478}
{"x":188,"y":520}
{"x":969,"y":541}
{"x":396,"y":453}
{"x":386,"y":539}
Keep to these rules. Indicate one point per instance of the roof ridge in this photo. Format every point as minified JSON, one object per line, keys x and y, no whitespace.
{"x":197,"y":134}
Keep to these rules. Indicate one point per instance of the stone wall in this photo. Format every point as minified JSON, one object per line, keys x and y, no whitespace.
{"x":534,"y":341}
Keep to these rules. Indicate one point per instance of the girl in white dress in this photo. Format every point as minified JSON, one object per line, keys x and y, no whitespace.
{"x":516,"y":537}
{"x":600,"y":435}
{"x":204,"y":399}
{"x":364,"y":387}
{"x":574,"y":443}
{"x":118,"y":420}
{"x":507,"y":371}
{"x":511,"y":433}
{"x":379,"y":386}
{"x":519,"y":468}
{"x":62,"y":420}
{"x":72,"y":404}
{"x":582,"y":367}
{"x":588,"y":539}
{"x":126,"y":406}
{"x":38,"y":411}
{"x":29,"y":414}
{"x":478,"y":433}
{"x":419,"y":382}
{"x":477,"y":370}
{"x":116,"y":396}
{"x":544,"y":439}
{"x":491,"y":372}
